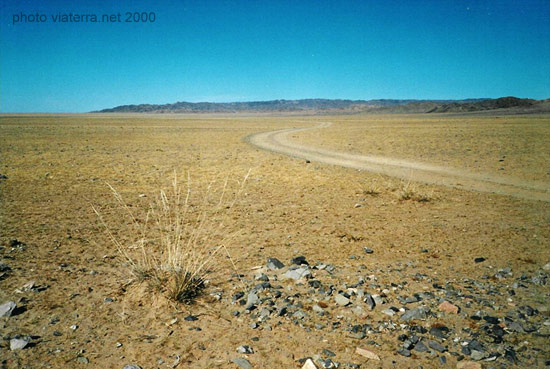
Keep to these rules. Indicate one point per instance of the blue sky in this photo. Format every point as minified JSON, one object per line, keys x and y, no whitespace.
{"x":241,"y":50}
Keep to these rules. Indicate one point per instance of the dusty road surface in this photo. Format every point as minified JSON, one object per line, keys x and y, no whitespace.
{"x":278,"y":141}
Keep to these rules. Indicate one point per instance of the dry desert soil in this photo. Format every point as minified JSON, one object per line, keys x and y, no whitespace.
{"x":422,"y":239}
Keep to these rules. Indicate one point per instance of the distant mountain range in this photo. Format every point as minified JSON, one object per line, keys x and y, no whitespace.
{"x":385,"y":106}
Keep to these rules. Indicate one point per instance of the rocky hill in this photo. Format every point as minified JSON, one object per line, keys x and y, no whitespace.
{"x":342,"y":106}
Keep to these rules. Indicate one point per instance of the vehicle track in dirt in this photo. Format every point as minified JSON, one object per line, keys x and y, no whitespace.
{"x":278,"y":141}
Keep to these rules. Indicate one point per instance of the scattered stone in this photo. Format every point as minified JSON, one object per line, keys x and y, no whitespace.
{"x":479,"y":260}
{"x":74,"y":327}
{"x":368,"y":250}
{"x":273,"y":264}
{"x":328,"y":353}
{"x":83,"y":360}
{"x":19,"y":343}
{"x":252,"y":300}
{"x":299,"y":260}
{"x":244,"y":349}
{"x":370,"y":302}
{"x":436,"y":346}
{"x":448,"y":308}
{"x":341,"y":300}
{"x":131,"y":366}
{"x":416,"y":313}
{"x":366,"y":353}
{"x":298,"y":273}
{"x":309,"y":365}
{"x":6,"y":309}
{"x":242,"y":363}
{"x":404,"y":352}
{"x":190,"y":318}
{"x":440,"y":332}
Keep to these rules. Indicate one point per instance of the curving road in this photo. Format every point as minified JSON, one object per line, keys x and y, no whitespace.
{"x":277,"y":141}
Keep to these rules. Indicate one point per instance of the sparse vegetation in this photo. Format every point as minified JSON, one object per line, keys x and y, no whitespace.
{"x":410,"y":191}
{"x":176,"y":245}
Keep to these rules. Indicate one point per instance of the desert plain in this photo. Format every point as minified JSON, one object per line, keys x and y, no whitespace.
{"x":405,"y":241}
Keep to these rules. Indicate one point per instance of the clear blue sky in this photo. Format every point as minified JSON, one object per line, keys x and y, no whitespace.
{"x":240,"y":50}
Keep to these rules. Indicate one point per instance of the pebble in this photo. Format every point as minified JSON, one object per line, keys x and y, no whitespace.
{"x":244,"y":349}
{"x":6,"y":309}
{"x":19,"y":343}
{"x":367,"y":353}
{"x":309,"y":365}
{"x":368,"y":250}
{"x":131,"y":366}
{"x":274,"y":264}
{"x":299,"y":260}
{"x":82,"y":360}
{"x":298,"y":273}
{"x":448,"y":308}
{"x":416,"y":313}
{"x":242,"y":363}
{"x":341,"y":300}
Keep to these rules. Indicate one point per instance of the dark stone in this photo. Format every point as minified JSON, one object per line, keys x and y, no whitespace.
{"x":491,"y":319}
{"x":479,"y":260}
{"x":368,"y":250}
{"x":420,"y":347}
{"x":440,"y":332}
{"x":328,"y":353}
{"x":299,"y":260}
{"x":190,"y":318}
{"x":404,"y":352}
{"x":436,"y":346}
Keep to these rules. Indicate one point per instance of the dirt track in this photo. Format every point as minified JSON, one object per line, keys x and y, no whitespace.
{"x":277,"y":141}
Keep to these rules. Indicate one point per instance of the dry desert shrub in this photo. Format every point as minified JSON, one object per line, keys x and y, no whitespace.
{"x":410,"y":191}
{"x":177,"y":242}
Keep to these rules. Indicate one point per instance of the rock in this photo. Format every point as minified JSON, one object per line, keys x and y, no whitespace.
{"x":404,"y":352}
{"x":131,"y":366}
{"x":479,"y":260}
{"x":546,"y":267}
{"x":299,"y":260}
{"x":377,"y":300}
{"x":242,"y":363}
{"x":368,"y":250}
{"x":421,"y":347}
{"x":7,"y":308}
{"x":468,"y":365}
{"x":190,"y":318}
{"x":477,"y":355}
{"x":328,"y":353}
{"x":341,"y":300}
{"x":318,"y":309}
{"x":244,"y":349}
{"x":436,"y":346}
{"x":389,"y":312}
{"x":309,"y":365}
{"x":448,"y":308}
{"x":82,"y":360}
{"x":273,"y":264}
{"x":370,"y":302}
{"x":366,"y":353}
{"x":298,"y":273}
{"x":416,"y":313}
{"x":252,"y":300}
{"x":440,"y":332}
{"x":19,"y":343}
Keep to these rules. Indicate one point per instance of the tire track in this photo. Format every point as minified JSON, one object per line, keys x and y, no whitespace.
{"x":277,"y":141}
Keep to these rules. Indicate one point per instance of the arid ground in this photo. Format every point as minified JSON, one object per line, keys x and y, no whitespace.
{"x":84,"y":309}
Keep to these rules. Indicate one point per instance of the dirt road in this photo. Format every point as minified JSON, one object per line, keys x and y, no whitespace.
{"x":277,"y":141}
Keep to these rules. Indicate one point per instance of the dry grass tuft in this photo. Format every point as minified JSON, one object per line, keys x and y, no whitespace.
{"x":410,"y":191}
{"x":176,"y":242}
